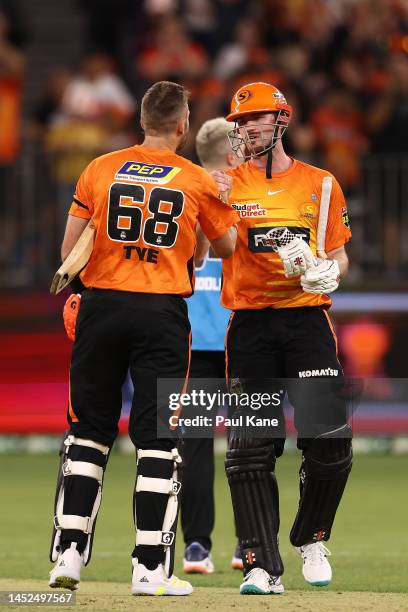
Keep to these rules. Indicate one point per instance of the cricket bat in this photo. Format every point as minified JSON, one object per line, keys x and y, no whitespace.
{"x":76,"y":260}
{"x":323,"y":216}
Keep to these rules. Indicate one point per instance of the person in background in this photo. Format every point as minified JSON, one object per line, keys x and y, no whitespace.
{"x":12,"y":63}
{"x":208,"y":322}
{"x":94,"y":117}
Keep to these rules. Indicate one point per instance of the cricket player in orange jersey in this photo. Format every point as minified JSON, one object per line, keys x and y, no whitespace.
{"x":278,"y":290}
{"x":145,"y":202}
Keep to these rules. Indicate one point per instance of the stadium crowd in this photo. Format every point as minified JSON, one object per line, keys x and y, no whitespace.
{"x":343,"y":65}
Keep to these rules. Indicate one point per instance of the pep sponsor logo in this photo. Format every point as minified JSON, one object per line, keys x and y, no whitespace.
{"x":147,"y":173}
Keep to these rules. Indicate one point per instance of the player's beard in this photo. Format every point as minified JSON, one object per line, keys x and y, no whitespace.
{"x":259,"y":145}
{"x":257,"y":151}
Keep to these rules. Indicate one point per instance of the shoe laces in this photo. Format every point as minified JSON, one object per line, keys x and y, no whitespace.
{"x":315,"y":553}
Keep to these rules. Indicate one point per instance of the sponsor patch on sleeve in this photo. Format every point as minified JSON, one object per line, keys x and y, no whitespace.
{"x":345,"y":217}
{"x":147,"y":173}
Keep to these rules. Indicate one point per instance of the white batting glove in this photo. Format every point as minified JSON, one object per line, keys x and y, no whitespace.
{"x":323,"y":278}
{"x":296,"y":257}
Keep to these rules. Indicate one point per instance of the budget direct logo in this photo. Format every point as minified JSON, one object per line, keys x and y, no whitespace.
{"x":250,"y":209}
{"x":147,"y":173}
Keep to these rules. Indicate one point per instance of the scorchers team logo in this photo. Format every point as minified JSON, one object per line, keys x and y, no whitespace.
{"x":308,"y":210}
{"x":243,"y":96}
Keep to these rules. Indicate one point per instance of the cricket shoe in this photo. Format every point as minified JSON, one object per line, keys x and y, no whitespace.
{"x":316,"y":568}
{"x":236,"y":561}
{"x":259,"y":582}
{"x":156,"y":582}
{"x":67,"y":571}
{"x":197,"y":560}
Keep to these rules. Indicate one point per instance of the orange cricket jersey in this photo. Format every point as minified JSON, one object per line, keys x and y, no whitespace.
{"x":145,"y":204}
{"x":253,"y":277}
{"x":10,"y":110}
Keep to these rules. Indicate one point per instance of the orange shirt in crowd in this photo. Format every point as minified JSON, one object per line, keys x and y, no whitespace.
{"x":340,"y":137}
{"x":145,"y":204}
{"x":253,"y":277}
{"x":10,"y":110}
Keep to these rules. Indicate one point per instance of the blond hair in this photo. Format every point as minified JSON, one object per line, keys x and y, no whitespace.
{"x":212,"y":143}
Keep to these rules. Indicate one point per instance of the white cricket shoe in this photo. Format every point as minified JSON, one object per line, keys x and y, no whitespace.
{"x":259,"y":582}
{"x":155,"y":582}
{"x":67,"y":571}
{"x":316,"y":568}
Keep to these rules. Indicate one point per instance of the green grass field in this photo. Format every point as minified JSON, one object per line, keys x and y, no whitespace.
{"x":369,"y":545}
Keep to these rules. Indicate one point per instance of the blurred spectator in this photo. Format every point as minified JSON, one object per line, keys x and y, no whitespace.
{"x":94,"y":117}
{"x":107,"y":23}
{"x":46,"y":112}
{"x":343,"y":63}
{"x":172,"y":55}
{"x":160,"y":7}
{"x":201,"y":19}
{"x":17,"y":32}
{"x":364,"y":345}
{"x":235,"y":56}
{"x":387,"y":119}
{"x":11,"y":83}
{"x":387,"y":123}
{"x":294,"y":61}
{"x":339,"y":136}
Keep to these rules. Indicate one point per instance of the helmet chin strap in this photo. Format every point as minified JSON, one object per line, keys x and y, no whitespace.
{"x":268,"y":169}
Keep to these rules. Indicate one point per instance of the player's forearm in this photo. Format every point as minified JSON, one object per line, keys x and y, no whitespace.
{"x":340,"y":256}
{"x":225,"y":245}
{"x":203,"y":244}
{"x":74,"y":228}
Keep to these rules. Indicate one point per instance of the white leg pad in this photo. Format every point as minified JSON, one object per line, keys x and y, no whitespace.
{"x":70,"y":440}
{"x":157,"y":454}
{"x":73,"y":521}
{"x":154,"y":538}
{"x":78,"y":468}
{"x":82,"y":468}
{"x":171,"y":487}
{"x":158,"y":485}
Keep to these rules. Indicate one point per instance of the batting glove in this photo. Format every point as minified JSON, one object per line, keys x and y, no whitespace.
{"x":296,"y":257}
{"x":323,"y":278}
{"x":70,"y":314}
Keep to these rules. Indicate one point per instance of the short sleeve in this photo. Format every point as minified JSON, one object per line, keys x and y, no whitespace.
{"x":215,"y":217}
{"x":82,"y":205}
{"x":338,"y":227}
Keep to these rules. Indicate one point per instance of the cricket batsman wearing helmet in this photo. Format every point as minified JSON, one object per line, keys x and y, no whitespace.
{"x":289,"y":256}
